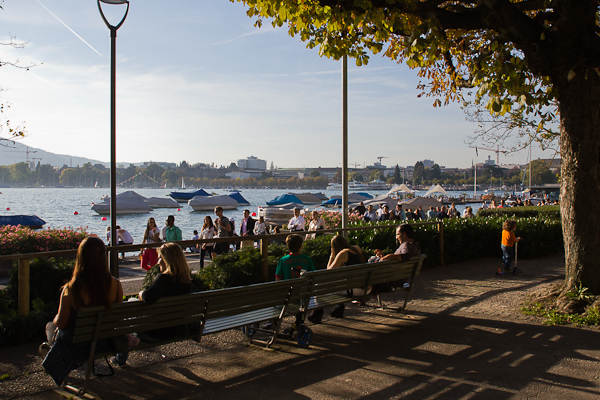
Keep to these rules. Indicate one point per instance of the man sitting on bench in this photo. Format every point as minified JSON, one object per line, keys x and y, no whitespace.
{"x":408,"y":247}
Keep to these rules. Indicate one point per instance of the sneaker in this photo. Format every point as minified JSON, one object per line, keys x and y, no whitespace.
{"x":114,"y":361}
{"x":43,"y":349}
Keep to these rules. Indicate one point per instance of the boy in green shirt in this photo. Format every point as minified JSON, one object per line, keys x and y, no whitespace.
{"x":292,"y":265}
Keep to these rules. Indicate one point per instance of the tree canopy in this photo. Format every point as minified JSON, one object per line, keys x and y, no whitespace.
{"x":524,"y":57}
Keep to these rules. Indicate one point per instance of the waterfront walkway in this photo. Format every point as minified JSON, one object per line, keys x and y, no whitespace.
{"x":462,"y":337}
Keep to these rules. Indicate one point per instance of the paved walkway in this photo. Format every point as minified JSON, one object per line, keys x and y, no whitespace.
{"x":462,"y":337}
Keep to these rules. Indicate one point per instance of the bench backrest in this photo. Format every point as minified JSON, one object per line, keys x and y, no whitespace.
{"x":361,"y":275}
{"x":179,"y":310}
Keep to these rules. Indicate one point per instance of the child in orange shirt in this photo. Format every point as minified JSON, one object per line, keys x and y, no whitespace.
{"x":508,"y":243}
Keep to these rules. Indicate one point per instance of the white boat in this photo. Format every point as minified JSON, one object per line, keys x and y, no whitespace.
{"x":208,"y":203}
{"x":354,"y":185}
{"x":279,"y":214}
{"x":162,"y":202}
{"x":124,"y":206}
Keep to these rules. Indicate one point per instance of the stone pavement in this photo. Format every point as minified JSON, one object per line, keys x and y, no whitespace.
{"x":462,"y":337}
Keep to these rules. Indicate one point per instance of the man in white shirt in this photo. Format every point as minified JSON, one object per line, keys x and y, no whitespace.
{"x":296,"y":223}
{"x":123,"y":237}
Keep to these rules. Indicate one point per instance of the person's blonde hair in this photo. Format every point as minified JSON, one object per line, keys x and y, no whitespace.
{"x":175,"y":262}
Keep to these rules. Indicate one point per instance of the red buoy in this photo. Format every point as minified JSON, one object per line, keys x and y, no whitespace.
{"x":254,"y":214}
{"x":7,"y":208}
{"x":75,"y":213}
{"x":179,"y":209}
{"x":103,"y":218}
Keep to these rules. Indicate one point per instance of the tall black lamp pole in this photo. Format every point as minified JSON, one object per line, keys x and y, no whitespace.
{"x":114,"y":259}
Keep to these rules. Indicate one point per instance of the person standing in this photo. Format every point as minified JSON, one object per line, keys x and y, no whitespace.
{"x":360,"y":208}
{"x":194,"y":248}
{"x":315,"y":224}
{"x":508,"y":244}
{"x":247,"y":229}
{"x":172,"y":233}
{"x":223,"y":227}
{"x":296,"y":223}
{"x":208,"y":232}
{"x":151,"y":235}
{"x":260,"y":227}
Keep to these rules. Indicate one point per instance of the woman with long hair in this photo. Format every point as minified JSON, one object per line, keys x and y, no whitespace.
{"x":173,"y":280}
{"x":91,"y":285}
{"x":343,"y":254}
{"x":151,"y":235}
{"x":208,"y":232}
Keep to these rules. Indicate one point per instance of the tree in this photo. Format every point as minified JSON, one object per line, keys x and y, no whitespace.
{"x":397,"y":176}
{"x":540,"y":173}
{"x":521,"y":55}
{"x":314,"y":173}
{"x":419,"y":172}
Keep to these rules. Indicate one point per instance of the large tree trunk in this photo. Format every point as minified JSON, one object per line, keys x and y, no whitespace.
{"x":579,"y":101}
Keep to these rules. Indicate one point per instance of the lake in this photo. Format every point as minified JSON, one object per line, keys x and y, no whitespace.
{"x":57,"y":206}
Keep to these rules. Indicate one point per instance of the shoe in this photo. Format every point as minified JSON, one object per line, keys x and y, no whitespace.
{"x":316,"y":316}
{"x":43,"y":349}
{"x":113,"y":360}
{"x":338,"y":311}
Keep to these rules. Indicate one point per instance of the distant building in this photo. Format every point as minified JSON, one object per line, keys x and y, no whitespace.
{"x":428,"y":163}
{"x":252,"y":163}
{"x":165,"y":165}
{"x":489,"y":161}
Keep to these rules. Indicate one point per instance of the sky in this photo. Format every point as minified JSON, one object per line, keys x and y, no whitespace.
{"x":196,"y":81}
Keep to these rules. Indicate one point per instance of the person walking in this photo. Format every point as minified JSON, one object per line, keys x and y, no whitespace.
{"x":172,"y":233}
{"x":151,"y":235}
{"x":208,"y":232}
{"x":247,"y":229}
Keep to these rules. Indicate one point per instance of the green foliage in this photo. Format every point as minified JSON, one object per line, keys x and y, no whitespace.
{"x":46,"y":278}
{"x":553,"y":317}
{"x":236,"y":268}
{"x":579,"y":294}
{"x":522,"y":212}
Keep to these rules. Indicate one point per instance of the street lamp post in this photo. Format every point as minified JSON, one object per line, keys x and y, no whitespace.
{"x":113,"y":260}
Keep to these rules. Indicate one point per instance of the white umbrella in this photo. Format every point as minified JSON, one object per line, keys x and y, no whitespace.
{"x":399,"y":188}
{"x":436,"y":189}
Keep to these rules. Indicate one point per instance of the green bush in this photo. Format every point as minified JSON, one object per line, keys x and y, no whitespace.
{"x":521,"y":212}
{"x":46,"y":278}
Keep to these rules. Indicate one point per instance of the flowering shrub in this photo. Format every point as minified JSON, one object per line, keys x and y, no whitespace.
{"x":333,"y":219}
{"x":20,"y":240}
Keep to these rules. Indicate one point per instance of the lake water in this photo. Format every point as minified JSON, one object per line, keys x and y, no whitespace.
{"x":57,"y":206}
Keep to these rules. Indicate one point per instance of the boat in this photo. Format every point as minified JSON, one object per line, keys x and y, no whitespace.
{"x":30,"y":221}
{"x":205,"y":203}
{"x":239,"y":198}
{"x":160,"y":202}
{"x":279,"y":214}
{"x":336,"y":201}
{"x":378,"y":185}
{"x":308,"y":198}
{"x":125,"y":205}
{"x":354,"y":185}
{"x":285,"y":199}
{"x":184,"y":197}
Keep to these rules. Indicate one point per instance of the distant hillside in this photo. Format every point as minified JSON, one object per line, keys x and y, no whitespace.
{"x":18,"y":152}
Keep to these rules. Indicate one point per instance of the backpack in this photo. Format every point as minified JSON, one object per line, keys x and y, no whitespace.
{"x":232,"y":226}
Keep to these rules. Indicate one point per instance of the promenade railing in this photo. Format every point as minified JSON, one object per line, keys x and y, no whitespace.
{"x":23,"y":260}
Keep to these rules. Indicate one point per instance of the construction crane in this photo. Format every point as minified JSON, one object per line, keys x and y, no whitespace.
{"x":36,"y":158}
{"x":26,"y":152}
{"x":497,"y":151}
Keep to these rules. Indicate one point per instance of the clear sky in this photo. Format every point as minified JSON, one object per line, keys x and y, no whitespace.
{"x":196,"y":81}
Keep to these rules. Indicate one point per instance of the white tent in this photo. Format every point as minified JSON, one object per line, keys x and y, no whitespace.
{"x":424,"y":202}
{"x":399,"y":188}
{"x":436,"y":189}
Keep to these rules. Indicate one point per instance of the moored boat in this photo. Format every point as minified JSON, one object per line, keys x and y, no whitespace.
{"x":30,"y":221}
{"x":206,"y":203}
{"x":184,"y":197}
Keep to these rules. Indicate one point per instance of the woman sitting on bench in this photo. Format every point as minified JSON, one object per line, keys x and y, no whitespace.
{"x":173,"y":280}
{"x":91,"y":285}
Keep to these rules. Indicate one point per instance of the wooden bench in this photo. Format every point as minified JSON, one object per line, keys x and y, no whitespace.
{"x":336,"y":286}
{"x":215,"y":311}
{"x":207,"y":312}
